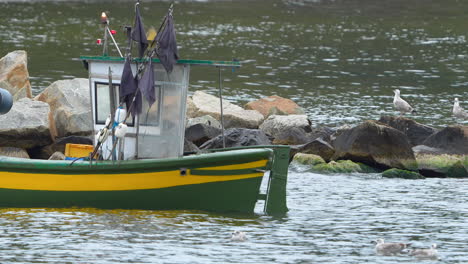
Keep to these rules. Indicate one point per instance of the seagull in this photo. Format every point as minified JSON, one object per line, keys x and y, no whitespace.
{"x":425,"y":252}
{"x":400,"y":104}
{"x":386,"y":249}
{"x":238,"y":236}
{"x":458,"y":111}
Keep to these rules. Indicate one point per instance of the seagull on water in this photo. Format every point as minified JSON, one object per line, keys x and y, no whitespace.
{"x":425,"y":252}
{"x":400,"y":104}
{"x":238,"y":236}
{"x":386,"y":249}
{"x":458,"y":111}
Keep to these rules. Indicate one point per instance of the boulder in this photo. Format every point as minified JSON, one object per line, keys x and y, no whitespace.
{"x":308,"y":159}
{"x":237,"y":137}
{"x":14,"y":75}
{"x":26,"y":125}
{"x":318,"y":147}
{"x":70,"y":106}
{"x":376,"y":145}
{"x":343,"y":166}
{"x":324,"y":133}
{"x":452,"y":139}
{"x":280,"y":126}
{"x":190,"y":147}
{"x":57,"y":156}
{"x":14,"y":152}
{"x":207,"y":120}
{"x":338,"y":131}
{"x":234,"y":116}
{"x":291,"y":136}
{"x":422,"y":149}
{"x":200,"y":133}
{"x":404,"y":174}
{"x":275,"y":105}
{"x":191,"y":111}
{"x":415,"y":131}
{"x":442,"y":166}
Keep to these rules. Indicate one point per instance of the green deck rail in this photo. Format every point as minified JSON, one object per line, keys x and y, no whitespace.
{"x":230,"y":64}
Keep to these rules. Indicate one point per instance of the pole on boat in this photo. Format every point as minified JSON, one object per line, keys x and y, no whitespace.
{"x":221,"y":105}
{"x":112,"y":109}
{"x":105,"y":21}
{"x":113,"y":40}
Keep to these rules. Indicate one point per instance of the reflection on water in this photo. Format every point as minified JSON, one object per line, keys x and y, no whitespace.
{"x":340,"y":60}
{"x":332,"y":219}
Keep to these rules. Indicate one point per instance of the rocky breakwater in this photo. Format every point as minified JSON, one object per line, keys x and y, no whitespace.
{"x":38,"y":127}
{"x":395,"y":146}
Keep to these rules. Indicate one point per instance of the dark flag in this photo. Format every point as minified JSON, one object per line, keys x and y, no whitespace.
{"x":128,"y":87}
{"x":138,"y":33}
{"x":146,"y":84}
{"x":166,"y":44}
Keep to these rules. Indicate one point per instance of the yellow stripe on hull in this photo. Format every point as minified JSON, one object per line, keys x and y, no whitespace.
{"x":119,"y":182}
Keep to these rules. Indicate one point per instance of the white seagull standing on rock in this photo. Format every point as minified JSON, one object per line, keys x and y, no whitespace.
{"x":458,"y":111}
{"x":425,"y":252}
{"x":400,"y":104}
{"x":387,"y":249}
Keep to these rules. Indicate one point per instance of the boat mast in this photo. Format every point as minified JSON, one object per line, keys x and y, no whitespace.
{"x":221,"y":105}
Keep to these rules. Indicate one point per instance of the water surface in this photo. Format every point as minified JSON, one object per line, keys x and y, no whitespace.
{"x":332,"y":219}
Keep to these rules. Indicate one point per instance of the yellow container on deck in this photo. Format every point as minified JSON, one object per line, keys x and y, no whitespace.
{"x":78,"y":150}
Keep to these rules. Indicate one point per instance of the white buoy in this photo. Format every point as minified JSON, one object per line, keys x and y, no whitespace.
{"x":120,"y":115}
{"x":121,"y":130}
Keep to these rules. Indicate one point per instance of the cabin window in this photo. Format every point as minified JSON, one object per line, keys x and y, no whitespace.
{"x":102,"y":102}
{"x":151,"y":115}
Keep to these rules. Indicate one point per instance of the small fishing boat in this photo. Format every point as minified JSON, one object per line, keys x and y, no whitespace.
{"x":138,"y":160}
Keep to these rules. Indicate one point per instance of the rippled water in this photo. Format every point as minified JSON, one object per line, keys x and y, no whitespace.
{"x":339,"y":59}
{"x":332,"y":219}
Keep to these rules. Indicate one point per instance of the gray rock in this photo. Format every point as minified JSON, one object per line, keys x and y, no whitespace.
{"x":452,"y":139}
{"x":422,"y":149}
{"x":277,"y":125}
{"x":206,"y":119}
{"x":324,"y":133}
{"x":14,"y":152}
{"x":415,"y":131}
{"x":70,"y":106}
{"x":442,"y":166}
{"x":234,"y":116}
{"x":14,"y":75}
{"x":236,"y":137}
{"x":200,"y":133}
{"x":292,"y":136}
{"x":26,"y":125}
{"x":403,"y":174}
{"x":190,"y":147}
{"x":318,"y":147}
{"x":376,"y":145}
{"x":57,"y":156}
